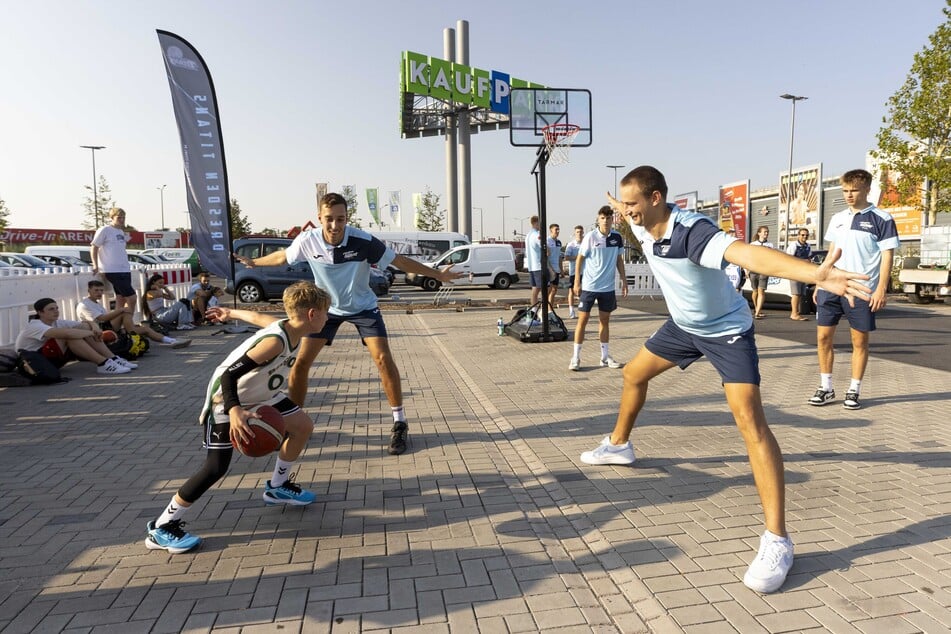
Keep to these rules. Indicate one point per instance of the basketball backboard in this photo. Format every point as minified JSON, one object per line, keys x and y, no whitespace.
{"x":532,"y":109}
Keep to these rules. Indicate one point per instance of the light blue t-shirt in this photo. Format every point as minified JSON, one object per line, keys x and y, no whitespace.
{"x":533,"y":251}
{"x":863,"y":236}
{"x":599,"y":266}
{"x":571,"y":255}
{"x":688,"y":264}
{"x":342,"y":270}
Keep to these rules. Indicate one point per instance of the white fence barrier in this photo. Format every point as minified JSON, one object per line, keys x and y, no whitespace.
{"x":640,"y":281}
{"x":20,"y":288}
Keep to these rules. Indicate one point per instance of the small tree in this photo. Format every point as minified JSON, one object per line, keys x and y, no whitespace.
{"x":4,"y":215}
{"x":240,"y":225}
{"x":101,"y":197}
{"x":349,"y":192}
{"x":916,"y":137}
{"x":429,"y":217}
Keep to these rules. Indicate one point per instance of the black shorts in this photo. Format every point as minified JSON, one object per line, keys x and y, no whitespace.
{"x":121,"y":284}
{"x":369,"y":323}
{"x":734,"y":356}
{"x":218,"y":426}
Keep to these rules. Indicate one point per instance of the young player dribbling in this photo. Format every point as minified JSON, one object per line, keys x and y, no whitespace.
{"x":255,"y":373}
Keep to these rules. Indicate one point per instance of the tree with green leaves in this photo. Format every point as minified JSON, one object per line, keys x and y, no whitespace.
{"x":4,"y":215}
{"x":349,"y":192}
{"x":915,"y":140}
{"x":97,"y":205}
{"x":240,"y":225}
{"x":430,"y":219}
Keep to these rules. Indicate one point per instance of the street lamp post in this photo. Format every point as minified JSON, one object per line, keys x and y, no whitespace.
{"x":792,"y":136}
{"x":162,"y":201}
{"x":481,"y":226}
{"x":503,"y":214}
{"x":615,"y":168}
{"x":95,"y":194}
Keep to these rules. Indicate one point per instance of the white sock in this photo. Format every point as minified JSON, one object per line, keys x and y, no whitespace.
{"x":398,"y":415}
{"x":282,"y":470}
{"x":173,"y":511}
{"x":855,"y":385}
{"x":604,"y":351}
{"x":577,"y":351}
{"x":168,"y":340}
{"x":825,"y":382}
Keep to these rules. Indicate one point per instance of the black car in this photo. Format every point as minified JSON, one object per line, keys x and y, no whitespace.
{"x":265,"y":283}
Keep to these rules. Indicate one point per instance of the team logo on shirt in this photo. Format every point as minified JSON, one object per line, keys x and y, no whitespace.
{"x":865,"y":225}
{"x":349,"y":255}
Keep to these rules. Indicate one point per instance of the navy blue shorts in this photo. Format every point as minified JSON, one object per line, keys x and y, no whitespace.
{"x":830,"y":308}
{"x":607,"y":301}
{"x":535,"y":279}
{"x":121,"y":284}
{"x":369,"y":323}
{"x":734,"y":356}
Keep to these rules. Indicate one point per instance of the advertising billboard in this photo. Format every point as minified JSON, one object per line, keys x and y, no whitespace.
{"x":800,"y":201}
{"x":735,"y":209}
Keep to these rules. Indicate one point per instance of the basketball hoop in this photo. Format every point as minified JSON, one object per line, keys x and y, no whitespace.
{"x":558,"y":139}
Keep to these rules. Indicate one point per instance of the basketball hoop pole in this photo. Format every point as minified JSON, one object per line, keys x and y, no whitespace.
{"x":539,"y":172}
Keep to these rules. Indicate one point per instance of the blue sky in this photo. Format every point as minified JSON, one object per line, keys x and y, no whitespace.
{"x":308,"y":92}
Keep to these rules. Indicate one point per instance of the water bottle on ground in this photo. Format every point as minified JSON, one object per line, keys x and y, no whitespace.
{"x":501,"y":324}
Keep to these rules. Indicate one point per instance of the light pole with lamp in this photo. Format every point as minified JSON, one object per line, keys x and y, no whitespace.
{"x":95,"y":195}
{"x":503,"y":214}
{"x":162,"y":201}
{"x":481,"y":226}
{"x":615,"y":168}
{"x":792,"y":136}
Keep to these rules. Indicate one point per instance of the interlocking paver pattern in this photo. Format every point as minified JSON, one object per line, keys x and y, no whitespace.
{"x":489,"y":522}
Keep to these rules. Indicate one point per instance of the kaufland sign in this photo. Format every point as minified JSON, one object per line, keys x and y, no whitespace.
{"x":458,"y":83}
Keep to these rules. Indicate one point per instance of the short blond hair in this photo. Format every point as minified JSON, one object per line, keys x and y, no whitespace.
{"x":115,"y":211}
{"x":302,"y":296}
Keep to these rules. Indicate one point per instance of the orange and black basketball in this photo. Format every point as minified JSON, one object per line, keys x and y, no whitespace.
{"x":268,"y":433}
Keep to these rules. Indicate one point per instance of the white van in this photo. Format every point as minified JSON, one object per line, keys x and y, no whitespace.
{"x":492,"y":265}
{"x":84,"y":253}
{"x":421,"y":245}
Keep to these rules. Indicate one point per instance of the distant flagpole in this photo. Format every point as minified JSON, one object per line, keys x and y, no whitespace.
{"x":199,"y":129}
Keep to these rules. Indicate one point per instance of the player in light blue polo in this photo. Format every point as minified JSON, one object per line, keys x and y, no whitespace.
{"x":687,"y":254}
{"x":340,"y":257}
{"x":600,"y":259}
{"x":868,"y":238}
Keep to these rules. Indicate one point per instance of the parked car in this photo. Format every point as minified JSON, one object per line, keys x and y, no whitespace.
{"x":265,"y":283}
{"x":143,"y":259}
{"x":24,"y":260}
{"x":66,"y":261}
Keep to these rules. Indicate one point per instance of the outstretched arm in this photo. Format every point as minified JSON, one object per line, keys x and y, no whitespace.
{"x":253,"y":317}
{"x":766,"y":261}
{"x":410,"y":265}
{"x":275,"y":258}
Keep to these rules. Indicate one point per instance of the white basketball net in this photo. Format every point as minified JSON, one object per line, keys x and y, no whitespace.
{"x":558,"y":140}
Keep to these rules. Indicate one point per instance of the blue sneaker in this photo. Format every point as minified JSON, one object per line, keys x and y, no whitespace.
{"x":170,"y":537}
{"x":288,"y":493}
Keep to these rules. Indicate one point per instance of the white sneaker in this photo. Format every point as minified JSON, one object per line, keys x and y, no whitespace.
{"x":768,"y":571}
{"x":126,"y":363}
{"x":609,"y":362}
{"x":111,"y":367}
{"x":178,"y":344}
{"x":606,"y":453}
{"x":574,"y":364}
{"x":571,"y":314}
{"x":185,"y":327}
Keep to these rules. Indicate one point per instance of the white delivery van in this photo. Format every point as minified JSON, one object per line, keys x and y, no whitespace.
{"x":84,"y":253}
{"x":492,"y":265}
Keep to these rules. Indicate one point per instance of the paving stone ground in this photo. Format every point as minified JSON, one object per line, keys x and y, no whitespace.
{"x":490,"y":522}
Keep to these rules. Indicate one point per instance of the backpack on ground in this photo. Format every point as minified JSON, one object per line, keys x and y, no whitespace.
{"x":37,"y":368}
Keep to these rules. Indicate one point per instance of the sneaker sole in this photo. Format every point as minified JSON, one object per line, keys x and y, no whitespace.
{"x":151,"y":545}
{"x":395,"y":451}
{"x":814,"y":404}
{"x":851,"y":406}
{"x":275,"y":501}
{"x":756,"y":585}
{"x":611,"y":461}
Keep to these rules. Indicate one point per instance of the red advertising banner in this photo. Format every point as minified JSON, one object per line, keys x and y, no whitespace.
{"x":735,"y":209}
{"x":14,"y":235}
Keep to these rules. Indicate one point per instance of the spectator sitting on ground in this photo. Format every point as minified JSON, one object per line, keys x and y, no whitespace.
{"x":90,"y":309}
{"x":63,"y":340}
{"x":178,"y":315}
{"x":202,"y":296}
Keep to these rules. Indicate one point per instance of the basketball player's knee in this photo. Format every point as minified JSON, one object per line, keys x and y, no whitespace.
{"x":299,"y":424}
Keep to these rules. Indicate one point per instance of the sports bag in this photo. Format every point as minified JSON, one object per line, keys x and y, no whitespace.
{"x":37,"y":368}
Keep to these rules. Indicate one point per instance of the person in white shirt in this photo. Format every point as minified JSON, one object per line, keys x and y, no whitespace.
{"x":758,"y":282}
{"x":109,"y":257}
{"x":91,"y":309}
{"x":64,"y":340}
{"x":798,"y":249}
{"x":571,"y":256}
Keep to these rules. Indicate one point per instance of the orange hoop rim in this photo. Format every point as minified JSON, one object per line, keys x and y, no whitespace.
{"x":556,"y":132}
